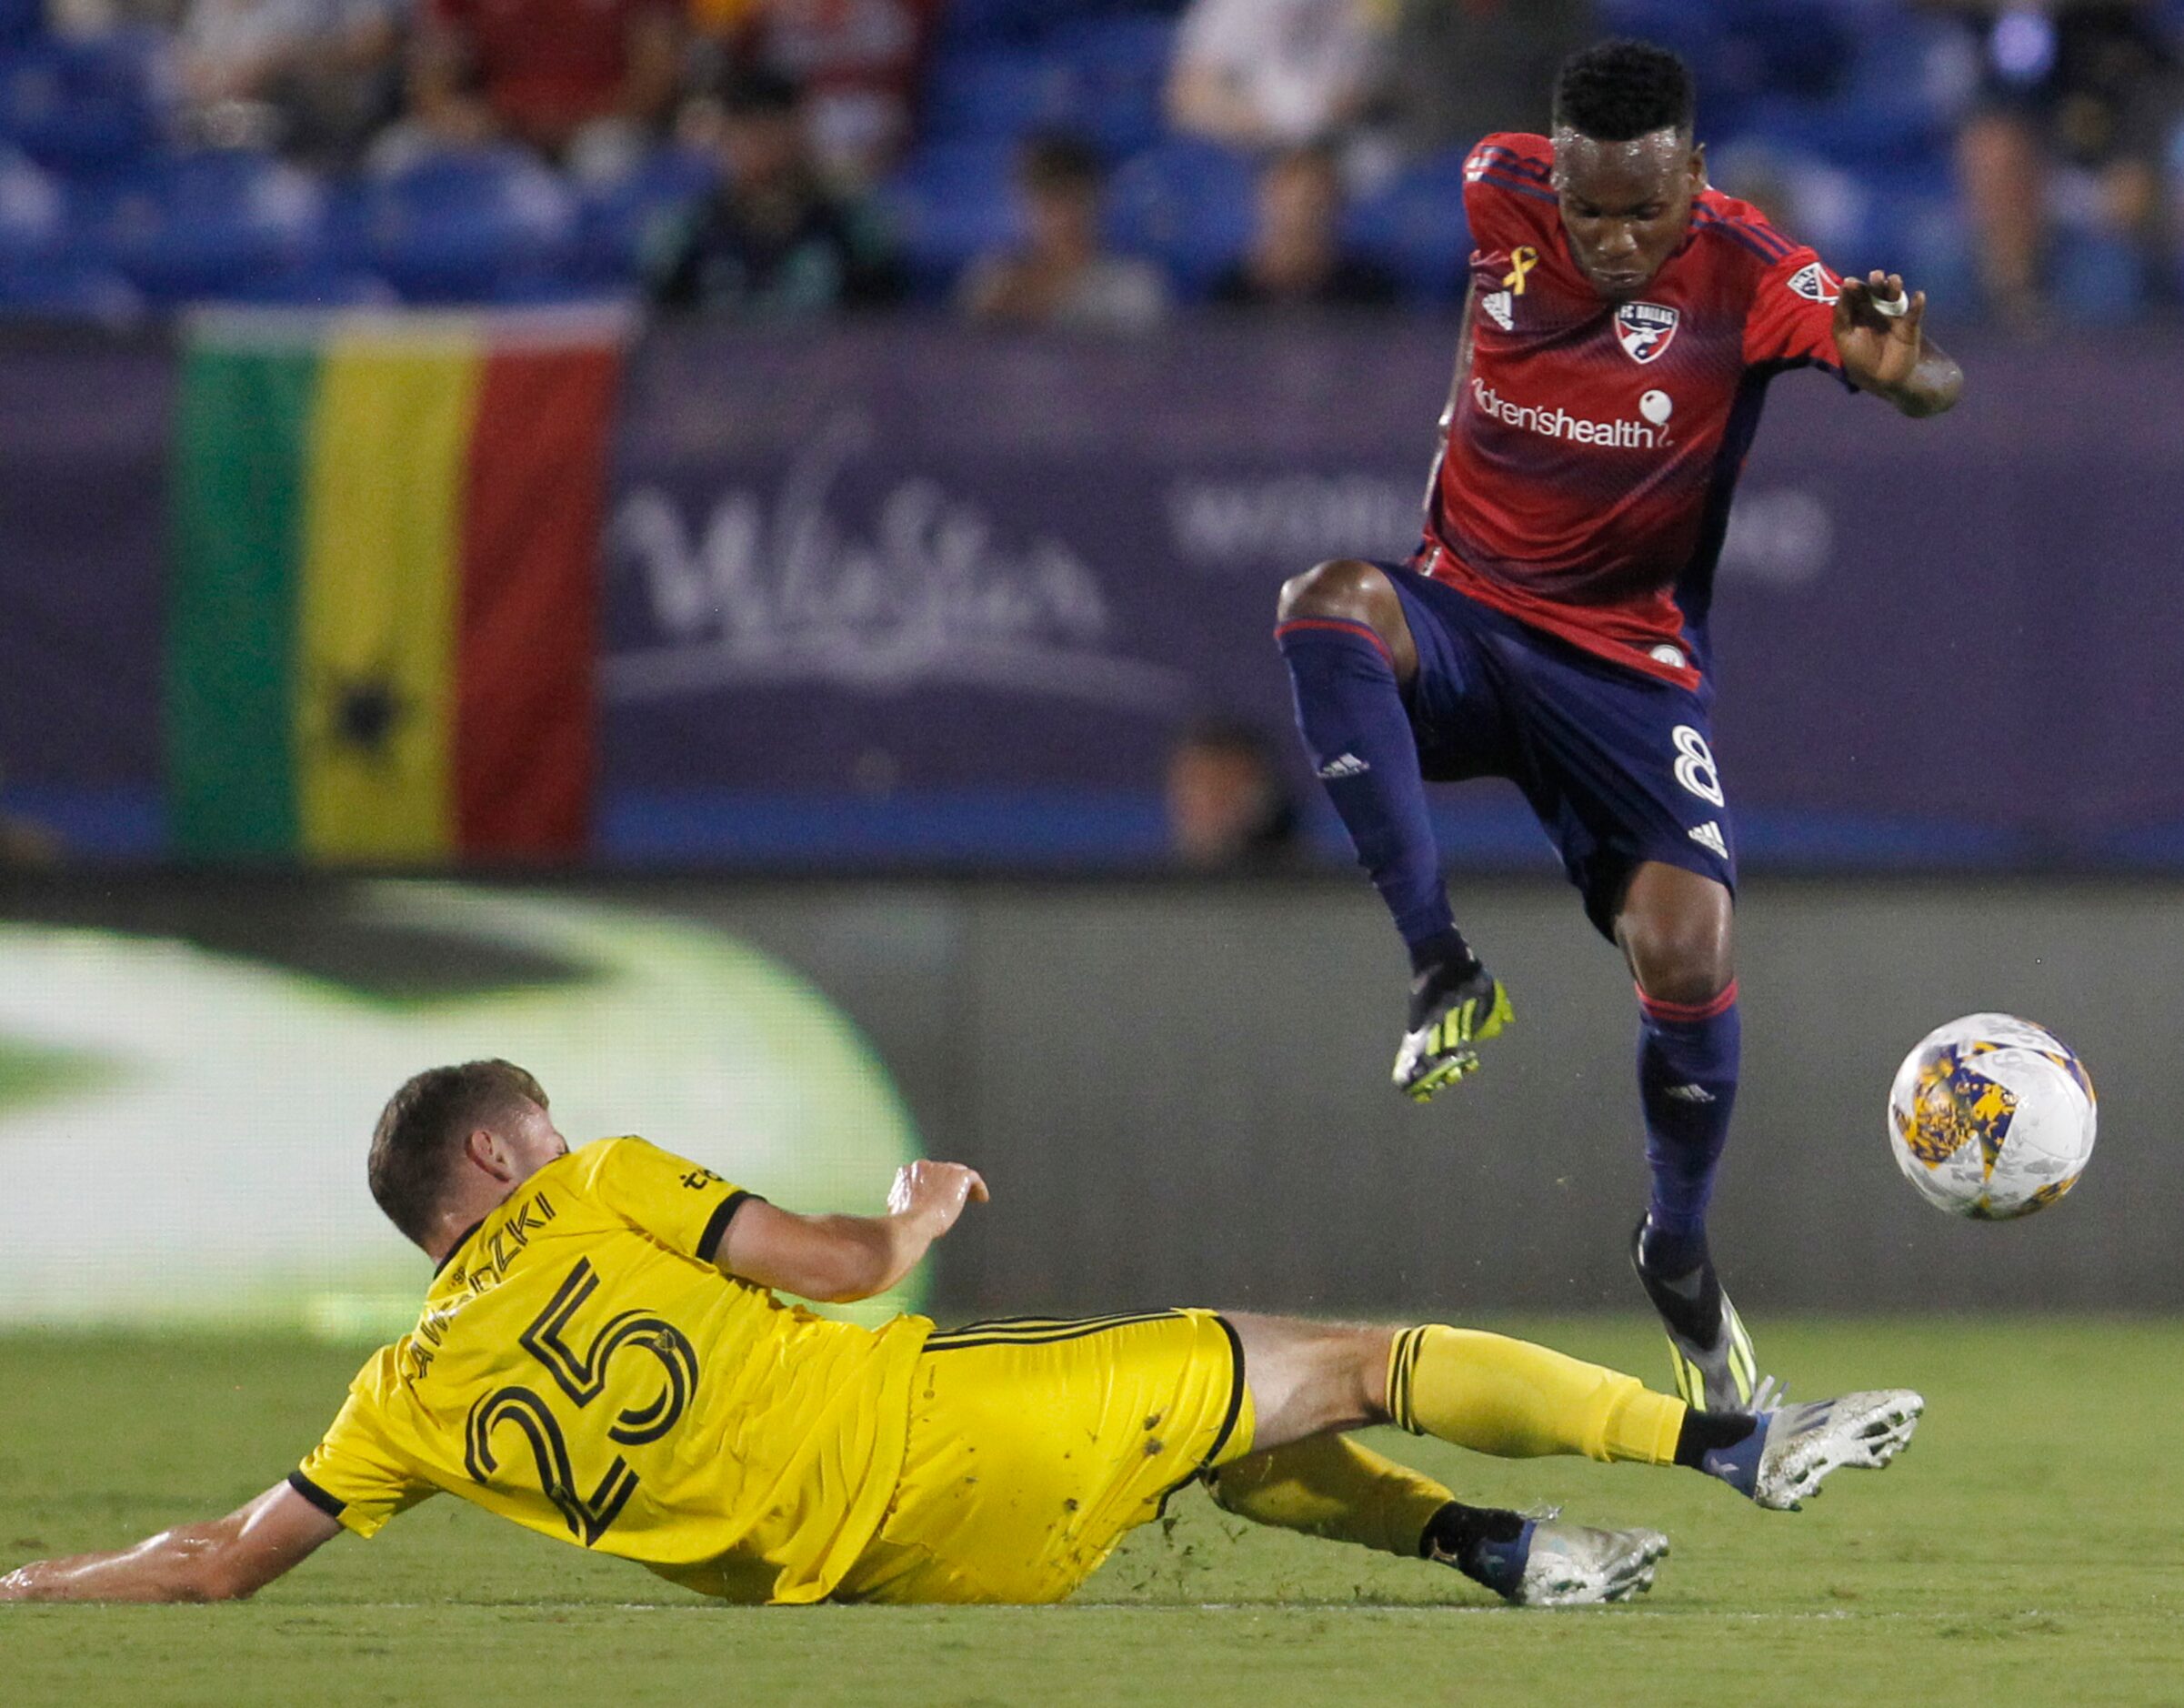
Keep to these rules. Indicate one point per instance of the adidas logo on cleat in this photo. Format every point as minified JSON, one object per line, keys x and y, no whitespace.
{"x":1348,"y":765}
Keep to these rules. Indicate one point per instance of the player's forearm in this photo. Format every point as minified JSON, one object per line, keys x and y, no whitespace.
{"x":1933,"y":386}
{"x":176,"y":1565}
{"x":869,"y":1254}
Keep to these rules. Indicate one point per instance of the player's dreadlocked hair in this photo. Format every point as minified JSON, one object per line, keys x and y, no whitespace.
{"x":1616,"y":90}
{"x":425,"y":1124}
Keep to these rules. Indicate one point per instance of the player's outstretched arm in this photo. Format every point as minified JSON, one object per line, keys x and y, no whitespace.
{"x":1880,"y":335}
{"x":221,"y":1561}
{"x":838,"y":1259}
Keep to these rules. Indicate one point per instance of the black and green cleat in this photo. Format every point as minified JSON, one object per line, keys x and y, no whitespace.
{"x":1445,"y":1025}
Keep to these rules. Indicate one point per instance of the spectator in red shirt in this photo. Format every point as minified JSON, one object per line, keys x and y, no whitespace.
{"x":579,"y":80}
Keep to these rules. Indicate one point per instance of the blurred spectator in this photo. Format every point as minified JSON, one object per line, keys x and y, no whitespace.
{"x":1295,"y":259}
{"x":1460,"y":69}
{"x":314,"y":78}
{"x":1227,"y":806}
{"x":2085,"y":86}
{"x":588,"y":83}
{"x":1272,"y":74}
{"x":773,"y":240}
{"x":859,"y":63}
{"x":1061,"y":276}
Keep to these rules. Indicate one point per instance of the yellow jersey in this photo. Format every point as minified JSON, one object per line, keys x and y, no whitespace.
{"x":581,"y":1366}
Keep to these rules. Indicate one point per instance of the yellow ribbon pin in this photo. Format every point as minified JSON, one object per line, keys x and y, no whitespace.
{"x":1521,"y":261}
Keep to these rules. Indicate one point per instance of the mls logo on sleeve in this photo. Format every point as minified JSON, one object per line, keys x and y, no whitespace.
{"x":1646,"y":329}
{"x":1813,"y":283}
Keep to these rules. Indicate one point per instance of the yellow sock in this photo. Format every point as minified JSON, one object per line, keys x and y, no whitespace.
{"x":1517,"y":1401}
{"x":1330,"y":1487}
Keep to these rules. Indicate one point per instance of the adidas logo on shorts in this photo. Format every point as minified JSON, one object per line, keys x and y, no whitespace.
{"x":1708,"y":836}
{"x":1348,"y":765}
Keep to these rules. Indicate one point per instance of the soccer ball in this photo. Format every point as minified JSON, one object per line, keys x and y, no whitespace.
{"x":1991,"y":1117}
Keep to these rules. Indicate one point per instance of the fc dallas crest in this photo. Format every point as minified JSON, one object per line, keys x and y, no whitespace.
{"x":1646,"y":329}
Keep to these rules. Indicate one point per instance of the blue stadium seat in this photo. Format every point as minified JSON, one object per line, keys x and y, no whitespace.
{"x":96,"y":103}
{"x":210,"y":223}
{"x":32,"y":212}
{"x":615,"y":219}
{"x":317,"y":283}
{"x":65,"y":289}
{"x":1003,"y":23}
{"x":1415,"y":226}
{"x":20,"y":20}
{"x":1186,"y":203}
{"x":950,"y":202}
{"x":987,"y":93}
{"x":473,"y":225}
{"x":1116,"y":72}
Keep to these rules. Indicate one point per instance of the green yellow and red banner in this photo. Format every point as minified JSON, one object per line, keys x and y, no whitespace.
{"x":382,"y":629}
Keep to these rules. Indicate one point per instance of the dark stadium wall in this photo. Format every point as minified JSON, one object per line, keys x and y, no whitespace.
{"x":1179,"y":1093}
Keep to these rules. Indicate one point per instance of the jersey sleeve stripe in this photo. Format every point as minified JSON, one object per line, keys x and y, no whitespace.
{"x":1521,"y":187}
{"x":1742,"y":235}
{"x":717,"y":1225}
{"x":1504,"y":160}
{"x":1768,"y":242}
{"x":332,"y":1506}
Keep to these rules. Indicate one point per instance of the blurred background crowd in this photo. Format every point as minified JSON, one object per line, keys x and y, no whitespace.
{"x":1093,"y":162}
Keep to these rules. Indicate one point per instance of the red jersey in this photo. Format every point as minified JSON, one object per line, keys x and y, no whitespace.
{"x":1584,"y":477}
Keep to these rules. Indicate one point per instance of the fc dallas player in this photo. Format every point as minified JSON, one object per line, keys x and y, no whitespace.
{"x":1623,"y":322}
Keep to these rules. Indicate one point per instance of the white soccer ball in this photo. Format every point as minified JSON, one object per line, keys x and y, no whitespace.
{"x":1991,"y":1117}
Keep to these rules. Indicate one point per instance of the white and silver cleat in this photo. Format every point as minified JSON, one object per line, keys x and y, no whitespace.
{"x":1575,"y":1565}
{"x":1804,"y":1444}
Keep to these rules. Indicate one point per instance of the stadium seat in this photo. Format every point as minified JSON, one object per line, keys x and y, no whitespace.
{"x":211,"y":223}
{"x":1186,"y":203}
{"x":65,"y":289}
{"x":96,"y":103}
{"x":996,"y":93}
{"x":951,"y":202}
{"x":317,"y":283}
{"x":33,"y":213}
{"x":1003,"y":23}
{"x":20,"y":20}
{"x":1117,"y":71}
{"x":615,"y":219}
{"x":474,"y":226}
{"x":1415,"y":226}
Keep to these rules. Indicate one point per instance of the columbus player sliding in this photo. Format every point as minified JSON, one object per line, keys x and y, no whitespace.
{"x":1623,"y":321}
{"x":601,"y":1358}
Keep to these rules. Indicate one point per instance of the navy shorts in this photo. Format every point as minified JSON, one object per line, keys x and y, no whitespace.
{"x":1617,"y":764}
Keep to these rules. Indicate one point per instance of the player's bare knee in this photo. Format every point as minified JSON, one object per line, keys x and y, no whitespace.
{"x":1345,"y":588}
{"x":1683,"y":960}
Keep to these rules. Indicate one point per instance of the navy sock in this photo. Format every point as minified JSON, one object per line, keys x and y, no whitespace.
{"x":1687,"y":1066}
{"x":1488,"y":1544}
{"x":1350,"y":713}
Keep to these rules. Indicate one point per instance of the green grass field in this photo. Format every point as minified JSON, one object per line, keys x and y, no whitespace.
{"x":2029,"y":1549}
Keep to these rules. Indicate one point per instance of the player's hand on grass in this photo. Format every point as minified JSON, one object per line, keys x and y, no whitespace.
{"x":934,"y":1194}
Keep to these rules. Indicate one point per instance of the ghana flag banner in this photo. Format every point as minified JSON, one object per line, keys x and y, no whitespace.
{"x":381,"y":640}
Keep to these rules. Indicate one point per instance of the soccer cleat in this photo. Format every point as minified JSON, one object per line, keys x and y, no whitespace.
{"x":1794,"y":1448}
{"x":1714,"y":1372}
{"x":1443,"y":1025}
{"x":1550,"y":1564}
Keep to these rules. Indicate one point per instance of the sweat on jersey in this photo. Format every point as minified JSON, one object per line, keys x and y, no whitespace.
{"x":581,"y":1366}
{"x":1587,"y":468}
